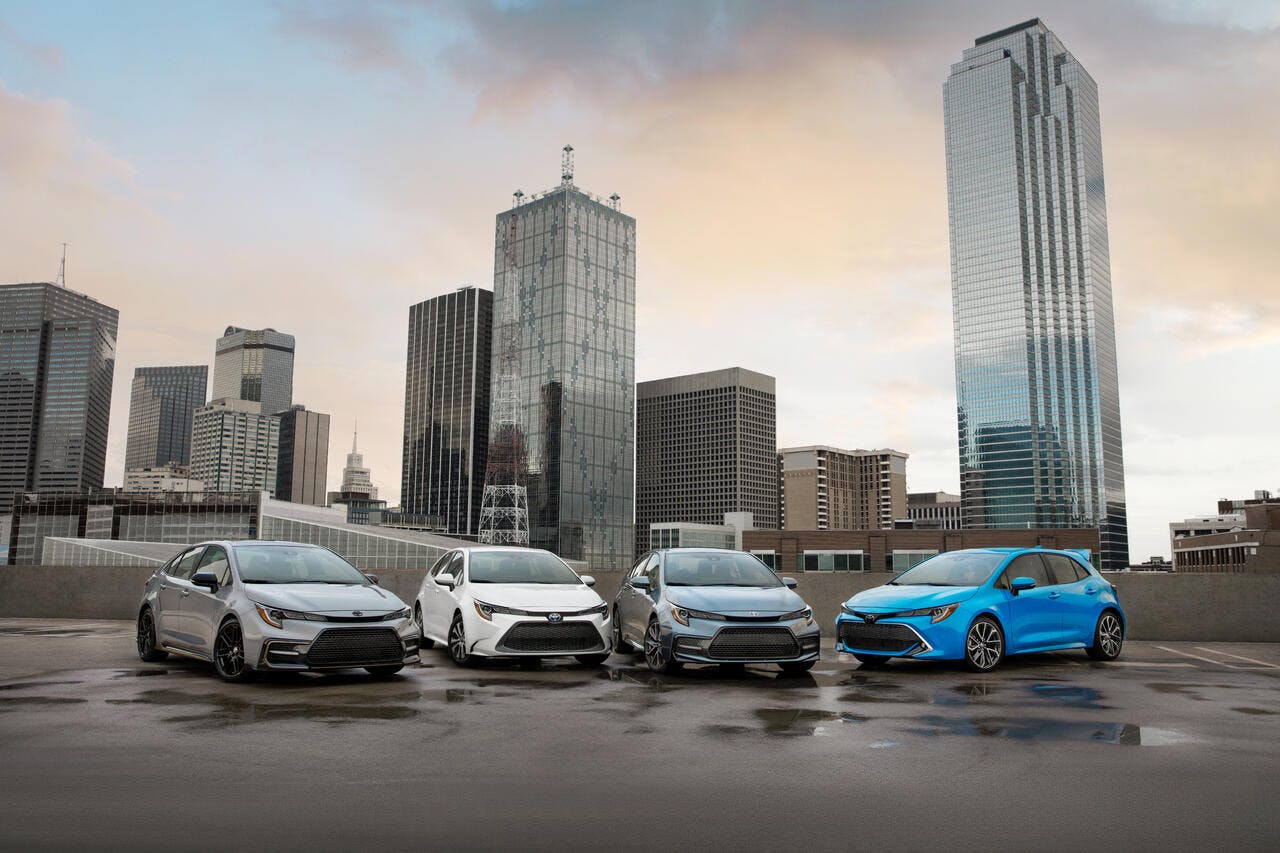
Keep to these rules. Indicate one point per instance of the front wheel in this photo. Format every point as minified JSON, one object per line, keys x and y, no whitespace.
{"x":147,"y":650}
{"x":658,"y":659}
{"x":795,"y":667}
{"x":1108,"y":637}
{"x":228,"y":654}
{"x":592,"y":660}
{"x":424,"y":642}
{"x":458,"y":652}
{"x":871,"y":661}
{"x":983,"y":645}
{"x":384,"y":671}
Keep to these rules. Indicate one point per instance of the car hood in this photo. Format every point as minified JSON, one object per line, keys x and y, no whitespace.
{"x":536,"y":596}
{"x":890,"y":599}
{"x":324,"y":597}
{"x":767,"y":601}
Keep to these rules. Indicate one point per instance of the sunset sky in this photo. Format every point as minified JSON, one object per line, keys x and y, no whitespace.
{"x":319,"y":167}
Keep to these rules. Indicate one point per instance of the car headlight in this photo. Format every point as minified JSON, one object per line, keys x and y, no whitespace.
{"x":486,"y":611}
{"x":275,"y":616}
{"x":847,"y":609}
{"x":805,"y":613}
{"x":684,"y":614}
{"x":935,"y":614}
{"x":402,"y":613}
{"x":603,"y":608}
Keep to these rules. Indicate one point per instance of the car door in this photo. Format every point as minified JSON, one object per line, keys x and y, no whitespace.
{"x":438,"y":601}
{"x":1032,"y":619}
{"x":626,"y":598}
{"x":202,"y":609}
{"x":1078,"y":598}
{"x":175,"y":587}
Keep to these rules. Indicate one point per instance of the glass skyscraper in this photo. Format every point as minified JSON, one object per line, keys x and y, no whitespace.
{"x":569,"y":259}
{"x":254,"y":364}
{"x":57,"y":363}
{"x":1036,"y":384}
{"x":160,"y":408}
{"x":446,"y":408}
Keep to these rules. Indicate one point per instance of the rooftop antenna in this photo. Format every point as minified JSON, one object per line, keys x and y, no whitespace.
{"x":62,"y":268}
{"x":517,"y":198}
{"x":566,"y":166}
{"x":614,"y":201}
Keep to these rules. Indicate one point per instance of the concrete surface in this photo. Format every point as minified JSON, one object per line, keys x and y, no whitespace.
{"x":1174,"y":747}
{"x":1208,"y":607}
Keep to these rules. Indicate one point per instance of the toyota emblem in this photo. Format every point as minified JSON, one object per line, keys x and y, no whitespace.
{"x":554,"y":617}
{"x":868,"y":617}
{"x":357,"y":612}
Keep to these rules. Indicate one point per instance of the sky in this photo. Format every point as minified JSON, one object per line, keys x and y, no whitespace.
{"x":319,"y":167}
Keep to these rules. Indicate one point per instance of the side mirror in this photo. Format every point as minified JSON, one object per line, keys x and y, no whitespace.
{"x":588,"y":580}
{"x":789,"y":583}
{"x":446,"y":579}
{"x":1018,"y":585}
{"x":373,"y":579}
{"x":641,"y":583}
{"x":208,"y":580}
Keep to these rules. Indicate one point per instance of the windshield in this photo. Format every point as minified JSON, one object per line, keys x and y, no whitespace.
{"x":285,"y":564}
{"x":711,"y":569}
{"x":955,"y":568}
{"x":520,"y":567}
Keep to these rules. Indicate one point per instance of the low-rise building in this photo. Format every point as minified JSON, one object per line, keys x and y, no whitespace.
{"x":162,"y":478}
{"x":683,"y":534}
{"x":934,"y":511}
{"x":1251,"y":546}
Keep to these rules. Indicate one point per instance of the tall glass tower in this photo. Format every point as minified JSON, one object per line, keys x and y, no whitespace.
{"x":568,"y":260}
{"x":1036,"y":385}
{"x":161,"y":404}
{"x":254,"y":364}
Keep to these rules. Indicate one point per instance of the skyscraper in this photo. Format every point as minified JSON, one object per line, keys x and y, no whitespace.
{"x":1036,"y":380}
{"x":254,"y":364}
{"x":706,"y":445}
{"x":57,"y":362}
{"x":568,"y":261}
{"x":446,"y":408}
{"x":160,"y":408}
{"x":302,"y":468}
{"x":234,"y":447}
{"x":356,"y":479}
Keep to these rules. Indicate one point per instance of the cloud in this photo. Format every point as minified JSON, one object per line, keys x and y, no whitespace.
{"x":362,"y":37}
{"x":47,"y":55}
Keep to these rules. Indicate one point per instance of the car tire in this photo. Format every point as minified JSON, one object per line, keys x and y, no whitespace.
{"x":983,"y":645}
{"x":458,"y":643}
{"x":591,"y":660}
{"x":424,"y":642}
{"x":872,"y":661}
{"x":796,"y":667}
{"x":147,"y":650}
{"x":620,"y":645}
{"x":1108,"y":637}
{"x":384,"y":671}
{"x":228,"y":654}
{"x":658,"y":661}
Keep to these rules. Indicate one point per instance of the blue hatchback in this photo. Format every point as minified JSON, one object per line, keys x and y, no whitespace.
{"x":980,"y":604}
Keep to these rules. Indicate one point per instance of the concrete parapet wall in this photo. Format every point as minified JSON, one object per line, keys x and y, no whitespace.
{"x":1187,"y":607}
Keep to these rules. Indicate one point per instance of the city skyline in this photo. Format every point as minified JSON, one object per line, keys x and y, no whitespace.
{"x":369,"y":226}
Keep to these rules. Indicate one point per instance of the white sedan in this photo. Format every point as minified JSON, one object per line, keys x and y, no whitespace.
{"x":511,"y":602}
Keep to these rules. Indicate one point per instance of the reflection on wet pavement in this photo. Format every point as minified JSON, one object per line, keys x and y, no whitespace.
{"x":1030,"y":729}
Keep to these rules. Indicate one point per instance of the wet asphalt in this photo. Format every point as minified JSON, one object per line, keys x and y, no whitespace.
{"x":1175,"y":747}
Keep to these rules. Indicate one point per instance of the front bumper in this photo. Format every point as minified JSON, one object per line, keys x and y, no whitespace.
{"x":908,"y":637}
{"x":326,"y":645}
{"x":713,"y":641}
{"x":510,"y":635}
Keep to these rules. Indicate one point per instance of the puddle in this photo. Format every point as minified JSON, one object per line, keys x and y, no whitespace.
{"x":1069,"y":695}
{"x":243,"y":713}
{"x":802,"y":721}
{"x":140,"y":673}
{"x":1257,"y":712}
{"x":54,"y":632}
{"x":527,"y":684}
{"x":1124,"y":734}
{"x":32,"y":684}
{"x":13,"y":703}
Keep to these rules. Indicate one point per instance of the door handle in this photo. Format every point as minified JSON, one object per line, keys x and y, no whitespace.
{"x":1090,"y":590}
{"x":185,"y":593}
{"x":1055,"y":595}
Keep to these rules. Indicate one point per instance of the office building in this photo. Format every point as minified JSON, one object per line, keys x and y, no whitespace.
{"x":1248,"y":541}
{"x":934,"y":511}
{"x":161,"y":478}
{"x":57,"y":363}
{"x":356,"y":479}
{"x":1036,"y":378}
{"x":254,"y":364}
{"x":302,"y":468}
{"x":684,"y":534}
{"x":706,"y":445}
{"x":825,"y":488}
{"x":446,"y":408}
{"x":161,"y":404}
{"x":234,"y":447}
{"x":564,"y":309}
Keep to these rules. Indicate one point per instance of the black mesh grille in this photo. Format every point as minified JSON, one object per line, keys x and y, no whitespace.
{"x":355,"y":647}
{"x":565,"y":637}
{"x":753,"y":644}
{"x":878,"y":638}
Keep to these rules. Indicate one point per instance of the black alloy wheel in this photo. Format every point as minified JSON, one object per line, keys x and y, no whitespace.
{"x":147,"y":650}
{"x":655,"y":656}
{"x":871,"y":661}
{"x":228,"y":653}
{"x":983,"y":645}
{"x":424,"y":642}
{"x":1108,"y":637}
{"x":458,"y":643}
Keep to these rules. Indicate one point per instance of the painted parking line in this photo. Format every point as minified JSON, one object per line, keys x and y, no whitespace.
{"x":1162,"y":663}
{"x":1197,"y":657}
{"x":1220,"y":663}
{"x":1238,"y":657}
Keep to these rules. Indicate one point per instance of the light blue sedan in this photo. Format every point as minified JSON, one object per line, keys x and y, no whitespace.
{"x":979,"y":605}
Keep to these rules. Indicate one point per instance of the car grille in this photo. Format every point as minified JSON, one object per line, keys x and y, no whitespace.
{"x":564,"y":638}
{"x":753,"y":644}
{"x":878,"y":638}
{"x":355,"y":647}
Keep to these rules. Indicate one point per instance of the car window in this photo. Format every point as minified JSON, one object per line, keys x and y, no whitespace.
{"x":651,"y":571}
{"x":1026,"y":566}
{"x":1065,"y":569}
{"x":215,"y":561}
{"x":455,"y":566}
{"x":185,"y":566}
{"x":640,"y":567}
{"x":440,"y":563}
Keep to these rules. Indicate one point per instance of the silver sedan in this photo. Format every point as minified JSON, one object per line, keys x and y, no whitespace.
{"x":251,"y":606}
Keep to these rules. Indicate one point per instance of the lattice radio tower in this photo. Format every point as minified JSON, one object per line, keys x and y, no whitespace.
{"x":504,"y":505}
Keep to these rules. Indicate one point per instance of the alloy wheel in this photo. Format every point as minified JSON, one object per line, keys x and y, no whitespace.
{"x":653,"y":646}
{"x":984,"y":644}
{"x":146,"y":634}
{"x":228,"y":650}
{"x":1110,"y":635}
{"x":457,"y":641}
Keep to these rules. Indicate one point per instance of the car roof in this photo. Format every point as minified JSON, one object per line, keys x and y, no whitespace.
{"x":697,"y":551}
